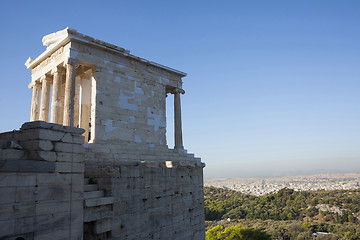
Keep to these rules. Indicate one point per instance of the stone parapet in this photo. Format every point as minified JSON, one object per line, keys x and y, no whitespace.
{"x":41,"y":182}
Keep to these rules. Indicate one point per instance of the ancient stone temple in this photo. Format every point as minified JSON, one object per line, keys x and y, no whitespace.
{"x":93,"y":162}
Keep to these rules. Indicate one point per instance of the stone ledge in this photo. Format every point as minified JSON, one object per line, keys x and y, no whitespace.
{"x":102,"y":226}
{"x":42,"y":134}
{"x":93,"y":216}
{"x":52,"y":126}
{"x":93,"y":202}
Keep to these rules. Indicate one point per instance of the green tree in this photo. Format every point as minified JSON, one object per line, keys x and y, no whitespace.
{"x":236,"y":233}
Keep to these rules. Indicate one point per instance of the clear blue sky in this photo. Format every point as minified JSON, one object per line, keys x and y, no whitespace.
{"x":272,"y":86}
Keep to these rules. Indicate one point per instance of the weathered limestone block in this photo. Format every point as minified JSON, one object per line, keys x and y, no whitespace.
{"x":26,"y":179}
{"x":93,"y":202}
{"x":25,"y":225}
{"x":8,"y":154}
{"x":68,"y":147}
{"x":64,"y":167}
{"x":8,"y":194}
{"x":78,"y":139}
{"x":26,"y":166}
{"x":52,"y":207}
{"x":67,"y":138}
{"x":77,"y":167}
{"x":102,"y":226}
{"x":37,"y":145}
{"x":51,"y":179}
{"x":39,"y":133}
{"x":98,"y":215}
{"x":60,"y":234}
{"x":26,"y":194}
{"x":16,"y":210}
{"x":46,"y":192}
{"x":43,"y":155}
{"x":7,"y":227}
{"x":36,"y":124}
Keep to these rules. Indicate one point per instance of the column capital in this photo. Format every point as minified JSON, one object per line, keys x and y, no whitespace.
{"x":174,"y":90}
{"x":44,"y":77}
{"x":58,"y":69}
{"x":179,"y":90}
{"x":72,"y":61}
{"x":34,"y":83}
{"x":84,"y":71}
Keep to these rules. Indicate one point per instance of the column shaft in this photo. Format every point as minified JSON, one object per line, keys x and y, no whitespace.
{"x":35,"y":102}
{"x":56,"y":97}
{"x":85,"y":98}
{"x":45,"y":99}
{"x":177,"y":118}
{"x":77,"y":102}
{"x":69,"y":94}
{"x":62,"y":98}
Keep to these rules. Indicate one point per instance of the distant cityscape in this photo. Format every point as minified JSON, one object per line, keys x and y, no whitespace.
{"x":262,"y":186}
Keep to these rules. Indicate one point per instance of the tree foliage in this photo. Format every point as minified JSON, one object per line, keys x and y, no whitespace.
{"x":286,"y":204}
{"x":236,"y":233}
{"x":285,"y":215}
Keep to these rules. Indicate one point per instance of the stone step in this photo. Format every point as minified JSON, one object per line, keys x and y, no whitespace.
{"x":93,"y":194}
{"x":94,"y":202}
{"x":93,"y":216}
{"x":90,"y":187}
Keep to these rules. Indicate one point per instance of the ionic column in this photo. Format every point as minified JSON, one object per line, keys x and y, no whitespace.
{"x":177,"y":119}
{"x":55,"y":116}
{"x":77,"y":101}
{"x":62,"y":98}
{"x":69,"y":93}
{"x":85,"y":98}
{"x":45,"y":98}
{"x":35,"y":101}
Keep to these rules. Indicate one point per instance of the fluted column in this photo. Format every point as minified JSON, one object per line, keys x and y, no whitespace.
{"x":85,"y":99}
{"x":62,"y":98}
{"x":77,"y":101}
{"x":69,"y":93}
{"x":45,"y":98}
{"x":35,"y":101}
{"x":177,"y":119}
{"x":56,"y":95}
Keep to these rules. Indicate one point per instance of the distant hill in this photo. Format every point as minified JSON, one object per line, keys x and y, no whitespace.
{"x":261,"y":186}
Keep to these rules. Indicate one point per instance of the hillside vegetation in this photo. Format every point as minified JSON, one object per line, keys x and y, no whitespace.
{"x":287,"y":214}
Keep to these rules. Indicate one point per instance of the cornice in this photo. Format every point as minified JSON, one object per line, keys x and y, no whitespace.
{"x":58,"y":39}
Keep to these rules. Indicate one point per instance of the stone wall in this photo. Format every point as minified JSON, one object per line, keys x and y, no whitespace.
{"x":41,"y":182}
{"x":53,"y":187}
{"x":129,"y":101}
{"x":152,"y":199}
